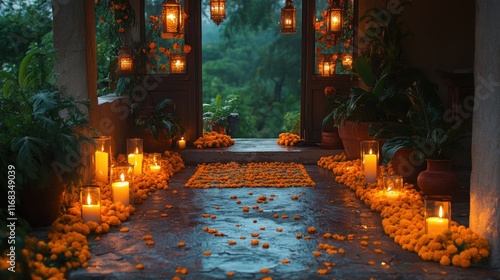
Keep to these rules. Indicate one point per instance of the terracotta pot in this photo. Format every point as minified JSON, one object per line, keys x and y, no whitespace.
{"x":219,"y":129}
{"x":352,"y":133}
{"x":331,"y":140}
{"x":408,"y":163}
{"x":438,"y":178}
{"x":41,"y":205}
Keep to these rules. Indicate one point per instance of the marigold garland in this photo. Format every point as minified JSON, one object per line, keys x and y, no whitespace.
{"x":288,"y":139}
{"x":67,"y":246}
{"x":254,"y":174}
{"x":403,"y":219}
{"x":213,"y":140}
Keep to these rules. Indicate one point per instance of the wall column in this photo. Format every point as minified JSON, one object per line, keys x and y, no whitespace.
{"x":485,"y":179}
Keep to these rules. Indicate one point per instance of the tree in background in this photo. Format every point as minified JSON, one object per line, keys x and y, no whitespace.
{"x":252,"y":59}
{"x":22,"y":23}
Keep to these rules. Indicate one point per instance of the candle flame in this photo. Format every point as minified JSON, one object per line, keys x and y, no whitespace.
{"x":389,"y":189}
{"x":102,"y":148}
{"x":371,"y":152}
{"x":136,"y":150}
{"x":88,"y":199}
{"x":440,"y":211}
{"x":122,"y":176}
{"x":182,"y":138}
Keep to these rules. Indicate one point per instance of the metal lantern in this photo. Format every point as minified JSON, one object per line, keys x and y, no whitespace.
{"x":178,"y":64}
{"x":326,"y":65}
{"x":218,"y":11}
{"x":171,"y":16}
{"x":334,"y":19}
{"x":288,"y":18}
{"x":125,"y":62}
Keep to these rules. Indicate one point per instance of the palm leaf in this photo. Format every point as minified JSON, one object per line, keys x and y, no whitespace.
{"x":363,"y":69}
{"x":30,"y":154}
{"x":23,"y":76}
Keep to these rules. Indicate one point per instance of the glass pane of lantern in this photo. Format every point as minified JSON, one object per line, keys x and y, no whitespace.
{"x":329,"y":39}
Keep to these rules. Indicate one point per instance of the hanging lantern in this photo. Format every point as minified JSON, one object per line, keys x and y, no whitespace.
{"x":346,"y":59}
{"x":178,"y":64}
{"x":334,"y":18}
{"x":125,"y":62}
{"x":171,"y":16}
{"x":288,"y":18}
{"x":326,"y":65}
{"x":218,"y":11}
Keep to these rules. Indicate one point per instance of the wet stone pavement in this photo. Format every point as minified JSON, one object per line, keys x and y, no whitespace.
{"x":328,"y":207}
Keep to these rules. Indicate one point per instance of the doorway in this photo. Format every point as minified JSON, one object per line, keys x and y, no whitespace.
{"x":253,"y":67}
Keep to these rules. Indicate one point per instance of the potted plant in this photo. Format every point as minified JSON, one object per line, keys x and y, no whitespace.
{"x":159,"y":122}
{"x":42,"y":132}
{"x":216,"y":113}
{"x":427,"y":137}
{"x":383,"y":75}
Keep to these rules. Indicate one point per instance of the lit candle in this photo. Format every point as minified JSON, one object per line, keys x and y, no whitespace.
{"x":155,"y":168}
{"x":391,"y":194}
{"x":101,"y":165}
{"x":437,"y":225}
{"x":136,"y":160}
{"x":91,"y":212}
{"x":182,"y":143}
{"x":121,"y":191}
{"x":370,"y":162}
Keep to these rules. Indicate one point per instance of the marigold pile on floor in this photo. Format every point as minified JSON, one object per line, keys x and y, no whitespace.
{"x":288,"y":139}
{"x":213,"y":140}
{"x":403,"y":219}
{"x":67,"y":247}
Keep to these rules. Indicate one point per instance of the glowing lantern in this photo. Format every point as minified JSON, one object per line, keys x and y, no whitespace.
{"x":218,"y":11}
{"x":288,"y":18}
{"x":171,"y":16}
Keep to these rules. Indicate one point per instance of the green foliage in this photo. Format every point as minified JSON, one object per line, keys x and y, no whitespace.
{"x":217,"y":111}
{"x":424,"y":128}
{"x":291,"y":122}
{"x":384,"y":73}
{"x":157,"y":118}
{"x":22,"y":23}
{"x":41,"y":127}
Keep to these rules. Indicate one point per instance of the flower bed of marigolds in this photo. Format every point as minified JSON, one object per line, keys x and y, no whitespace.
{"x":66,"y":247}
{"x":403,"y":219}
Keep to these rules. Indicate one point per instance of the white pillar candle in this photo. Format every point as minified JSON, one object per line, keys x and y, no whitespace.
{"x":392,"y":195}
{"x":155,"y":168}
{"x":136,"y":160}
{"x":182,"y":143}
{"x":91,"y":212}
{"x":436,"y":225}
{"x":101,"y":166}
{"x":370,"y":162}
{"x":121,"y":191}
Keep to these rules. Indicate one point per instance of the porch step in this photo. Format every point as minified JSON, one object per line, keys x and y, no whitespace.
{"x":257,"y":150}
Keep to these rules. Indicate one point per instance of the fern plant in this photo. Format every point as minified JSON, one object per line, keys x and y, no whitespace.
{"x":41,"y":128}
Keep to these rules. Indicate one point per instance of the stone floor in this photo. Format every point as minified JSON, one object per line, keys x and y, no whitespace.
{"x":329,"y":207}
